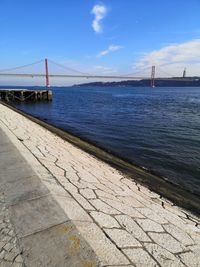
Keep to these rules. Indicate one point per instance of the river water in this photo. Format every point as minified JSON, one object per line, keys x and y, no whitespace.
{"x":158,"y":129}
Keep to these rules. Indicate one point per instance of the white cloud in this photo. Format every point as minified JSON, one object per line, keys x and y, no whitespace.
{"x":173,"y":58}
{"x":111,"y":48}
{"x":99,"y":12}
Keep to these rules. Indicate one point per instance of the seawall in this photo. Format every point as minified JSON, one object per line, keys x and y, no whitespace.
{"x":116,"y":219}
{"x":165,"y":189}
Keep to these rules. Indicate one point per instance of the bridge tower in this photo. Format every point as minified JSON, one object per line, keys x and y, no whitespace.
{"x":153,"y":71}
{"x":47,"y":73}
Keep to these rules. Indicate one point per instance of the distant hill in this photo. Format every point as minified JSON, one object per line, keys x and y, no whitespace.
{"x":168,"y":82}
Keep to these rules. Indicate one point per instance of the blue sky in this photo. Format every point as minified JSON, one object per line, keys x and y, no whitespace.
{"x":105,"y":37}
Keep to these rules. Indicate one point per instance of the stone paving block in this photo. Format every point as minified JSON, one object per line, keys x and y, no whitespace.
{"x":83,"y":202}
{"x":115,"y":188}
{"x":126,"y":190}
{"x":53,"y":186}
{"x":10,"y":159}
{"x":150,"y":214}
{"x":122,"y":238}
{"x":131,"y":201}
{"x":164,"y":257}
{"x":149,"y":193}
{"x":60,"y":245}
{"x":2,"y":254}
{"x":8,"y":247}
{"x":101,"y":206}
{"x":149,"y":225}
{"x":35,"y":215}
{"x":85,"y":176}
{"x":167,"y":241}
{"x":190,"y":259}
{"x":170,"y":217}
{"x":104,"y":188}
{"x":179,"y":234}
{"x":104,"y":220}
{"x":124,"y":208}
{"x":141,"y":198}
{"x":13,"y":172}
{"x":196,"y":250}
{"x":132,"y":227}
{"x":10,"y":256}
{"x":83,"y":184}
{"x":17,"y":264}
{"x":195,"y":236}
{"x":5,"y":263}
{"x":102,"y":194}
{"x":140,"y":257}
{"x":88,"y":193}
{"x":24,"y":189}
{"x":67,"y":185}
{"x":105,"y":250}
{"x":4,"y":140}
{"x":2,"y":244}
{"x":72,"y":176}
{"x":19,"y":259}
{"x":54,"y":169}
{"x":130,"y":184}
{"x":175,"y":210}
{"x":5,"y":147}
{"x":5,"y":238}
{"x":72,"y":209}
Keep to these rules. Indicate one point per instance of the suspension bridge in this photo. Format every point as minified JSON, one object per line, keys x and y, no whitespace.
{"x":78,"y":74}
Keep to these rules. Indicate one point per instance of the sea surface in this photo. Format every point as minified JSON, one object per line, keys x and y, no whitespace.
{"x":155,"y":128}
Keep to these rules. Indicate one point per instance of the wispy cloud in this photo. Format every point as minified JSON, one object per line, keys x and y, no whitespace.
{"x":99,"y":12}
{"x":173,"y":57}
{"x":111,"y":48}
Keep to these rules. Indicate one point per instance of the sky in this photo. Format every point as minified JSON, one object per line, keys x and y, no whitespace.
{"x":107,"y":37}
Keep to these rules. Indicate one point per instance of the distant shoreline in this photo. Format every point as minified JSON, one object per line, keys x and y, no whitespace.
{"x":168,"y":82}
{"x":171,"y":82}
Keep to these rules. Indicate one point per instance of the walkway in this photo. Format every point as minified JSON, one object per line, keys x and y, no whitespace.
{"x":70,"y":209}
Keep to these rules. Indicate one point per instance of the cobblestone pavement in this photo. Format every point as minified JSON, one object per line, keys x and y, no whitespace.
{"x":124,"y":222}
{"x":10,"y":253}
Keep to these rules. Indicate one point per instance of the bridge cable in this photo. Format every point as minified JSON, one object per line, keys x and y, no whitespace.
{"x":162,"y":71}
{"x":140,"y":71}
{"x":64,"y":67}
{"x":20,"y":67}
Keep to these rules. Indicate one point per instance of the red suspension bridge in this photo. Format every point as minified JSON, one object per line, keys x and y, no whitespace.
{"x":79,"y":74}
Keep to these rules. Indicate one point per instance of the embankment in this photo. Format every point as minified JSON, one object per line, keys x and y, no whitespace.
{"x":57,"y":193}
{"x":172,"y":192}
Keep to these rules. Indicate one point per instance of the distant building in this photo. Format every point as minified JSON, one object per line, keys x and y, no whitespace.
{"x":184,"y":73}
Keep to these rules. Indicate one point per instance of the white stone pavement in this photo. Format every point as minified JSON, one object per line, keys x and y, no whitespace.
{"x":123,"y":222}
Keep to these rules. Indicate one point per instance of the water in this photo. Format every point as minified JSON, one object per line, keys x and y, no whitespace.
{"x":158,"y":129}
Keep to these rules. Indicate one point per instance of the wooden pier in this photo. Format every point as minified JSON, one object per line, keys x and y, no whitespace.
{"x":25,"y":95}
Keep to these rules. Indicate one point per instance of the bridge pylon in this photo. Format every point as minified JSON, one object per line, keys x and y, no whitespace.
{"x":47,"y":73}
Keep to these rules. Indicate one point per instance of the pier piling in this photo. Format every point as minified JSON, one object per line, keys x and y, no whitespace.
{"x":25,"y":95}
